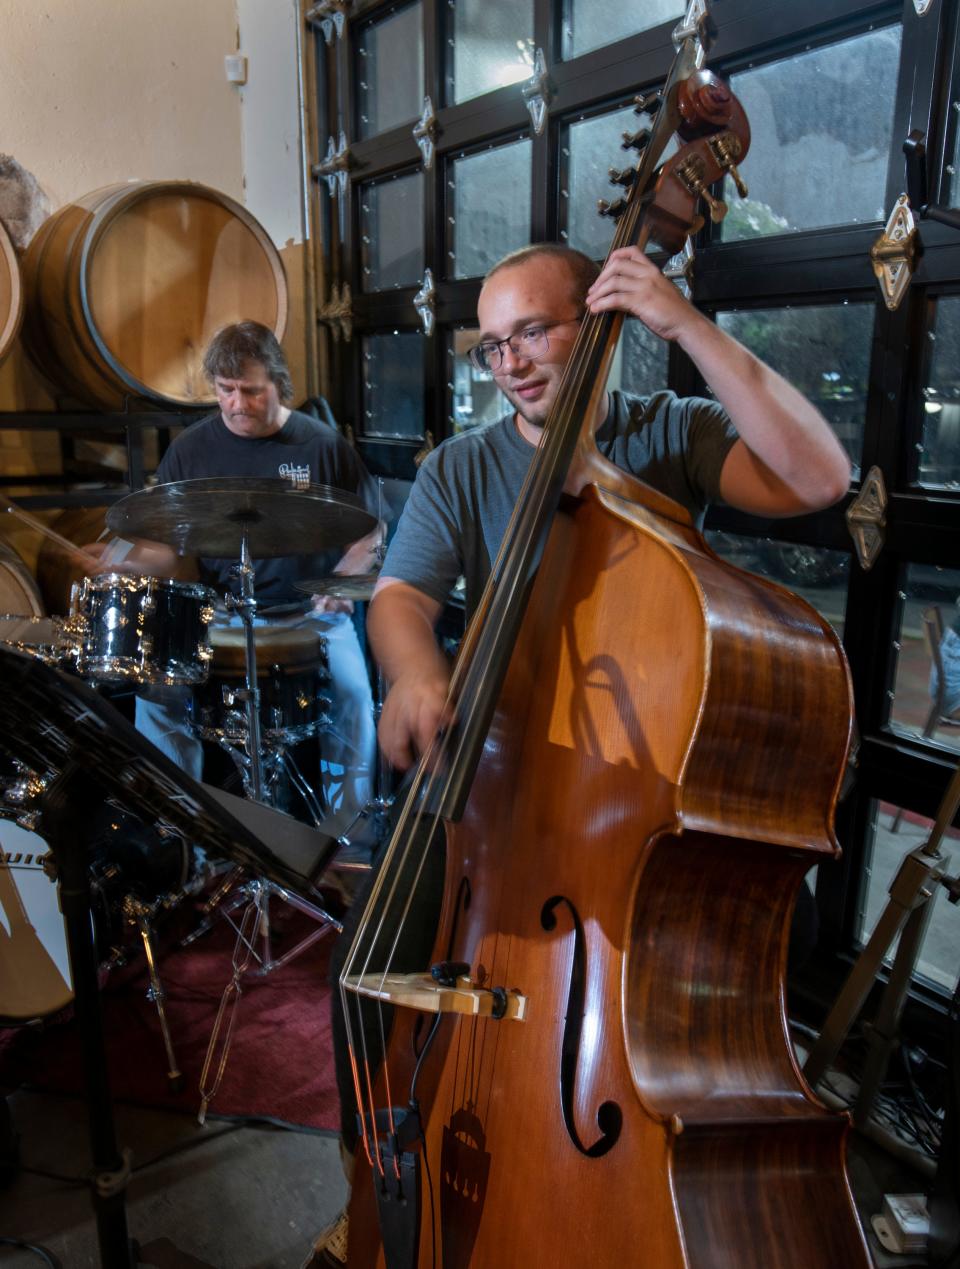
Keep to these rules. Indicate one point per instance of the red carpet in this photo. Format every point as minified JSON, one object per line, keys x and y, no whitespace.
{"x":281,"y":1058}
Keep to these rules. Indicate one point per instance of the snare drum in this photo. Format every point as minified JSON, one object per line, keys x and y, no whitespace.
{"x":292,"y":676}
{"x":143,"y":630}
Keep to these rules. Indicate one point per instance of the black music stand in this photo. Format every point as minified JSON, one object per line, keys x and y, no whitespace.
{"x":56,"y":723}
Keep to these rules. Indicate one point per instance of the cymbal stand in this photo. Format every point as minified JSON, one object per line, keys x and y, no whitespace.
{"x":907,"y":914}
{"x":252,"y":894}
{"x":246,"y":607}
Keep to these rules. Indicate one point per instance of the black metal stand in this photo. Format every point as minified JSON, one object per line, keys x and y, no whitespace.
{"x":56,"y":723}
{"x":67,"y":809}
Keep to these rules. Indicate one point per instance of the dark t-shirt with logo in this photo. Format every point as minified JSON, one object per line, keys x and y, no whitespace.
{"x":303,"y":450}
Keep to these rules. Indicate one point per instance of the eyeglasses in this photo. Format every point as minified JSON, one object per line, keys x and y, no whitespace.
{"x":530,"y":343}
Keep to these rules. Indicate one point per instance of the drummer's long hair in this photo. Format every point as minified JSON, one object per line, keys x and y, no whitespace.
{"x":233,"y":348}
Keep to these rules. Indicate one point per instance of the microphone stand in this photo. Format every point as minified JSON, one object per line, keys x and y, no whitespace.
{"x":68,"y":822}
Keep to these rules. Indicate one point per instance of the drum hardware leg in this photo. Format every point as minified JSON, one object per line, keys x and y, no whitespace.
{"x":142,"y":915}
{"x":312,"y":800}
{"x":254,"y":896}
{"x":260,"y":892}
{"x":69,"y":806}
{"x":227,"y":1011}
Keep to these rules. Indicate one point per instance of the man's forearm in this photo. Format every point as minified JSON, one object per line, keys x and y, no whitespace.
{"x":400,"y":623}
{"x":361,"y":556}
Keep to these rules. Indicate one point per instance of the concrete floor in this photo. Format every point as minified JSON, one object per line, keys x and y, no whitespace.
{"x":231,"y":1197}
{"x":238,"y":1197}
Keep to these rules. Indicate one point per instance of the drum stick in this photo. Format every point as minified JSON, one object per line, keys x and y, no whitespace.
{"x":71,"y":547}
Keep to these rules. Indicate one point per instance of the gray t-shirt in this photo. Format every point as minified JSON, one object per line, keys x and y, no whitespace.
{"x":466,"y":490}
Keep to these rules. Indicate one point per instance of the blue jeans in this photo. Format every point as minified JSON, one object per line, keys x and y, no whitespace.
{"x":950,"y":656}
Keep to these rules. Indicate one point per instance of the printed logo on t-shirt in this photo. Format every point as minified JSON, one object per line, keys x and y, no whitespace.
{"x":299,"y":476}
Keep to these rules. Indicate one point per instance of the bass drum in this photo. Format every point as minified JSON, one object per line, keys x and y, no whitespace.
{"x":127,"y":859}
{"x":34,"y":967}
{"x":19,"y":593}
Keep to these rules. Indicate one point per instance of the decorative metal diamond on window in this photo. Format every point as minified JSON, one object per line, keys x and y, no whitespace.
{"x":537,"y":92}
{"x":330,"y":15}
{"x":424,"y":302}
{"x":425,"y":132}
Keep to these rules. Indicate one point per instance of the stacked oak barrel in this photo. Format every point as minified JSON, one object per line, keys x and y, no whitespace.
{"x":116,"y":298}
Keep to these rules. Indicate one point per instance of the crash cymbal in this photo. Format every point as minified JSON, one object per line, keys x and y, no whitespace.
{"x":355,"y":586}
{"x":210,"y":517}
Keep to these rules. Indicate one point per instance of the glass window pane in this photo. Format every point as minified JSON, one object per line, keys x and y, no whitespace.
{"x":593,"y":147}
{"x":824,"y":351}
{"x":491,"y":45}
{"x":491,"y":198}
{"x":388,"y":98}
{"x":640,"y":362}
{"x":893,"y":833}
{"x":589,"y":24}
{"x":819,"y":575}
{"x":928,"y":640}
{"x":822,"y":124}
{"x":940,"y":447}
{"x":393,"y":385}
{"x":391,"y":232}
{"x":474,"y":395}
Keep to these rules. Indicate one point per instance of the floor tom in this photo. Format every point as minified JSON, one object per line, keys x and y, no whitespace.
{"x":292,"y":677}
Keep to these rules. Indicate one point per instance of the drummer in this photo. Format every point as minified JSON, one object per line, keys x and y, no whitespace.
{"x":255,"y":434}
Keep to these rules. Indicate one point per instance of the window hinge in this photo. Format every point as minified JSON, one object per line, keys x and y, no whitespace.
{"x":425,"y":132}
{"x":894,"y":254}
{"x":537,"y":92}
{"x":337,"y":312}
{"x":330,"y":16}
{"x":425,"y":302}
{"x":679,"y":268}
{"x":867,"y":518}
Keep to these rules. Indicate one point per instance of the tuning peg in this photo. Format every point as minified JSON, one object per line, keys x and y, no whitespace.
{"x":636,"y":140}
{"x":648,"y":103}
{"x":613,"y":210}
{"x":626,"y":177}
{"x":738,"y":180}
{"x":717,"y":207}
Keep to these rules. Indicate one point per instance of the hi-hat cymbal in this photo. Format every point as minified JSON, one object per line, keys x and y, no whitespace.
{"x":355,"y":586}
{"x":211,"y":517}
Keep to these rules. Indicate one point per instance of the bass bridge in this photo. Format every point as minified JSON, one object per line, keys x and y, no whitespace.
{"x":430,"y":994}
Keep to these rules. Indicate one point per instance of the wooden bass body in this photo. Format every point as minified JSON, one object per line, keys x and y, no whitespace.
{"x":661,"y":771}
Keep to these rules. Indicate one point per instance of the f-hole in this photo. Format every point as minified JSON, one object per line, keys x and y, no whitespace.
{"x":609,"y":1115}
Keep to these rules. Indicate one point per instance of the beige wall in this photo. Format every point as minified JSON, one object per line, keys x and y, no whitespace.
{"x":93,"y":92}
{"x":272,"y":156}
{"x":98,"y":91}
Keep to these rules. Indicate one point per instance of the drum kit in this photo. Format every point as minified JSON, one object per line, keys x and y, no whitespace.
{"x":257,"y":691}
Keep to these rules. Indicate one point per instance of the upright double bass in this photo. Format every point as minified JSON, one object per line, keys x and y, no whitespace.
{"x":645,"y":759}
